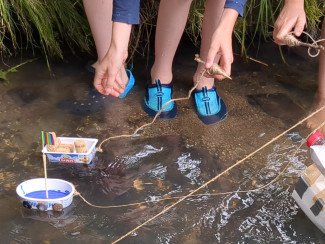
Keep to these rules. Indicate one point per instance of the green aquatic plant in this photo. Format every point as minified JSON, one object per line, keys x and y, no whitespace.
{"x":314,"y":15}
{"x":142,"y":34}
{"x":43,"y":24}
{"x":194,"y":24}
{"x":52,"y":25}
{"x":257,"y":23}
{"x":4,"y":73}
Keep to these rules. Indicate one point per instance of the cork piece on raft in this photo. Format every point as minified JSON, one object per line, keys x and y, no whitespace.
{"x":64,"y":148}
{"x":58,"y":146}
{"x":57,"y":142}
{"x":52,"y":148}
{"x":80,"y":146}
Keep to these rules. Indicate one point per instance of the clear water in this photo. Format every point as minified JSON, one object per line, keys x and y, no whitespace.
{"x":51,"y":194}
{"x":165,"y":161}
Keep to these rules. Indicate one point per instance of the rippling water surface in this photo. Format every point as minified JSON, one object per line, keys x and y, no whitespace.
{"x":154,"y":169}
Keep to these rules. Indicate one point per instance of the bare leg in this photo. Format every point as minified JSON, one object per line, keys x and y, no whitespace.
{"x":172,"y":18}
{"x":319,"y":118}
{"x":99,"y":15}
{"x":212,"y":15}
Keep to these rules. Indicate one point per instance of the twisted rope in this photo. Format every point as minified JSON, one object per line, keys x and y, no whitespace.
{"x":292,"y":41}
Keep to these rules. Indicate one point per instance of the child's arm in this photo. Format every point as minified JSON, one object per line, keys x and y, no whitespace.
{"x":107,"y":80}
{"x":221,"y":42}
{"x":292,"y":17}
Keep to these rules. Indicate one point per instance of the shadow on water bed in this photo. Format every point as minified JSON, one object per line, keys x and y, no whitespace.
{"x":277,"y":105}
{"x":168,"y":159}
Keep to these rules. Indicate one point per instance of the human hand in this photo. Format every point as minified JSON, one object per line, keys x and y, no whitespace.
{"x":107,"y":76}
{"x":223,"y":48}
{"x":221,"y":43}
{"x":292,"y":17}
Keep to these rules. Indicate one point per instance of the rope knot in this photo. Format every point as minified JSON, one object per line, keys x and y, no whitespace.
{"x":292,"y":41}
{"x":214,"y":69}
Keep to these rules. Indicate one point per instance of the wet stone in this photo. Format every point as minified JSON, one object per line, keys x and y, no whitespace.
{"x":277,"y":105}
{"x":24,"y":95}
{"x":297,"y":79}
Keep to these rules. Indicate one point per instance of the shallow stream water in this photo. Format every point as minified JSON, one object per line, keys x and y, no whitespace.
{"x":168,"y":159}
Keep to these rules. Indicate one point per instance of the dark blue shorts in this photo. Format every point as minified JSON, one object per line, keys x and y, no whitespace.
{"x":126,"y":11}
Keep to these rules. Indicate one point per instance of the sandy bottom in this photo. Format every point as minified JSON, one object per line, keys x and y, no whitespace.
{"x":262,"y":101}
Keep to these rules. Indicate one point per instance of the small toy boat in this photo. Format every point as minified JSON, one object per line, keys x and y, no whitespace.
{"x":32,"y":194}
{"x":71,"y":150}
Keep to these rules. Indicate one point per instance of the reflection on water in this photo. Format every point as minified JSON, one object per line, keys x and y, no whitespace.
{"x":172,"y":171}
{"x":267,"y":214}
{"x":57,"y":219}
{"x":236,"y":217}
{"x":168,"y":160}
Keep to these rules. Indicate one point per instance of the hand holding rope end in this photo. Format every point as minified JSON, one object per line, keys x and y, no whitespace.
{"x":215,"y":69}
{"x":292,"y":41}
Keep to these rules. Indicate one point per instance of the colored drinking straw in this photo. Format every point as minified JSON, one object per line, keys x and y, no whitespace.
{"x":47,"y":138}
